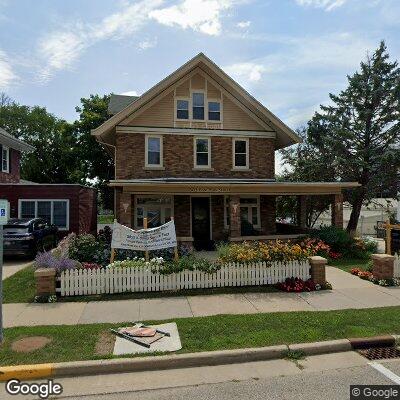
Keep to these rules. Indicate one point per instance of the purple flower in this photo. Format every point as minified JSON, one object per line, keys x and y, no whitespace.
{"x":49,"y":260}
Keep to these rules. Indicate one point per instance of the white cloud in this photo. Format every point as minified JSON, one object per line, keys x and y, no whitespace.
{"x":60,"y":49}
{"x":245,"y":72}
{"x":243,"y":24}
{"x":200,"y":15}
{"x":327,"y":5}
{"x":130,"y":93}
{"x":147,"y":44}
{"x":7,"y":75}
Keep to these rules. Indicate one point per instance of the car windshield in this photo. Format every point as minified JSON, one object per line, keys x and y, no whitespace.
{"x":15,"y":229}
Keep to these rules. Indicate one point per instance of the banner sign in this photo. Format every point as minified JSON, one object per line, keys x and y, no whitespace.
{"x":162,"y":237}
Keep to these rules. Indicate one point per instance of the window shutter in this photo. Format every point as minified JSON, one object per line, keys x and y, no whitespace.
{"x":10,"y":151}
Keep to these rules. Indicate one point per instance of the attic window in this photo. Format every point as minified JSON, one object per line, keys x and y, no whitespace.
{"x":214,"y":111}
{"x":198,"y":106}
{"x":182,"y":109}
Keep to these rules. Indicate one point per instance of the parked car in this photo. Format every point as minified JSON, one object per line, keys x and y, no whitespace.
{"x":27,"y":236}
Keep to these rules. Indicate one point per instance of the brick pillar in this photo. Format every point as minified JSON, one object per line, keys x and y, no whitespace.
{"x":234,"y":214}
{"x":302,"y":211}
{"x":383,"y":266}
{"x":45,"y":281}
{"x":337,"y":210}
{"x":125,"y":212}
{"x":317,"y":270}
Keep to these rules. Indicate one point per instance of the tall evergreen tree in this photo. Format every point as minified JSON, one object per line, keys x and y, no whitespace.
{"x":357,"y":137}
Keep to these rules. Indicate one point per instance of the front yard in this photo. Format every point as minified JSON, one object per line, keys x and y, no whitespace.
{"x":93,"y":341}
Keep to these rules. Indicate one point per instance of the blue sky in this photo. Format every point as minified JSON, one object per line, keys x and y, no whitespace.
{"x":288,"y":53}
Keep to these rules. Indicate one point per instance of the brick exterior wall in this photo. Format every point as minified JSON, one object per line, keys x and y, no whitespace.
{"x":178,"y":158}
{"x":383,"y":266}
{"x":267,"y":215}
{"x":82,"y":202}
{"x":14,"y":175}
{"x":182,"y":216}
{"x":217,"y":214}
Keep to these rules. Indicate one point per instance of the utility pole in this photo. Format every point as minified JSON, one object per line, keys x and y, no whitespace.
{"x":3,"y":220}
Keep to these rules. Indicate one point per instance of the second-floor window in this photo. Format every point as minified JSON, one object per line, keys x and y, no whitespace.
{"x":198,"y":106}
{"x":240,"y":154}
{"x":154,"y":150}
{"x":214,"y":111}
{"x":182,"y":109}
{"x":202,"y":152}
{"x":5,"y":159}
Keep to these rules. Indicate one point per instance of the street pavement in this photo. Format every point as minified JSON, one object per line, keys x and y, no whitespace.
{"x":348,"y":292}
{"x":326,"y":376}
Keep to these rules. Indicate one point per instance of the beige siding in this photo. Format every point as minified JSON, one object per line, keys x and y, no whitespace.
{"x":183,"y":90}
{"x":198,"y":82}
{"x":160,"y":114}
{"x":213,"y":92}
{"x":235,"y":118}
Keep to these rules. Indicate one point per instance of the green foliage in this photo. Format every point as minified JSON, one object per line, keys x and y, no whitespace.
{"x":338,"y":239}
{"x":357,"y":137}
{"x":85,"y":248}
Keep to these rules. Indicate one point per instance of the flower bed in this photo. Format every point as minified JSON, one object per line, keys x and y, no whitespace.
{"x":367,"y":275}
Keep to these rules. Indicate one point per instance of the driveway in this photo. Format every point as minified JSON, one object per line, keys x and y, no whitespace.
{"x":13,"y":265}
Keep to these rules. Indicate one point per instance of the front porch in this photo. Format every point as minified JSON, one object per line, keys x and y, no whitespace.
{"x":207,"y":212}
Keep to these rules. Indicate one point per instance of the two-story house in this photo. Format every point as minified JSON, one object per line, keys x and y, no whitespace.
{"x":72,"y":208}
{"x":198,"y":147}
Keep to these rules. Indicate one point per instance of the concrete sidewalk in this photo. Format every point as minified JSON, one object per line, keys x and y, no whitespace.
{"x":349,"y":292}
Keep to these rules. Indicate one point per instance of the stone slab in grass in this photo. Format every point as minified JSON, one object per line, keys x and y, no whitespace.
{"x":165,"y":344}
{"x":30,"y":343}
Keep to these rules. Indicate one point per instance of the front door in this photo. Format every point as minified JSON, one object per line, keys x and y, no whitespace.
{"x":201,"y":223}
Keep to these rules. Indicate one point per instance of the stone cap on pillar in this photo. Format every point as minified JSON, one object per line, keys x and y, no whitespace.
{"x":318,"y":260}
{"x":40,"y":272}
{"x":382,"y":257}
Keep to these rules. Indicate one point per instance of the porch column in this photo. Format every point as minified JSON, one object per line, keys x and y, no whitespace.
{"x":302,"y":211}
{"x":125,"y":211}
{"x":234,"y":215}
{"x":337,"y":210}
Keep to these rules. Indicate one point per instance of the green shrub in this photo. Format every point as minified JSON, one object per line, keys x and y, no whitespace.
{"x":85,"y":248}
{"x":338,"y":239}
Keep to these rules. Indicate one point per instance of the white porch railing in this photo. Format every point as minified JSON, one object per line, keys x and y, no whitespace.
{"x":119,"y":280}
{"x":396,"y":267}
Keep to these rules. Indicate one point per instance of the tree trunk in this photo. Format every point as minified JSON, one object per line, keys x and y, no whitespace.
{"x":355,"y":214}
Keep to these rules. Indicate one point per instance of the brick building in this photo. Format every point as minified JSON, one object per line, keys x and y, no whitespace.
{"x":198,"y":147}
{"x":73,"y":208}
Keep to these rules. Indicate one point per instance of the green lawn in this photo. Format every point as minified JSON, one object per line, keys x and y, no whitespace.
{"x":346,"y":264}
{"x":20,"y":287}
{"x":78,"y":342}
{"x":105,"y":219}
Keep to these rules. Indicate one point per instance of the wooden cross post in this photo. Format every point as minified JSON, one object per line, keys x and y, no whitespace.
{"x":176,"y":255}
{"x":146,"y":253}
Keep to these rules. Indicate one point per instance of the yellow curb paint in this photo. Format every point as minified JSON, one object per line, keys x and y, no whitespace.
{"x":25,"y":372}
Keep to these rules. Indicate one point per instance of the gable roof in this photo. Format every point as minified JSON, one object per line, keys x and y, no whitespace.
{"x":285,"y":136}
{"x":118,"y":102}
{"x":11,"y":141}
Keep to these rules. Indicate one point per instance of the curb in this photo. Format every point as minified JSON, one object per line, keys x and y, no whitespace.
{"x":175,"y":361}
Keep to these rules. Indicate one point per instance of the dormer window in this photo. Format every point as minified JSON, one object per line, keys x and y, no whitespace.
{"x":214,"y":111}
{"x":198,"y":106}
{"x":182,"y":109}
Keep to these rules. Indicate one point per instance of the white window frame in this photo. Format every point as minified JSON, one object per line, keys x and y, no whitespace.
{"x":5,"y":150}
{"x":241,"y":167}
{"x":20,"y":201}
{"x":181,"y":98}
{"x":192,"y":91}
{"x":147,"y":151}
{"x":250,"y":211}
{"x":144,"y":206}
{"x":220,"y":111}
{"x":208,"y":166}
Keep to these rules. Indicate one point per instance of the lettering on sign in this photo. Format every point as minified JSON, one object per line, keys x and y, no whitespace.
{"x":162,"y":237}
{"x":205,"y":189}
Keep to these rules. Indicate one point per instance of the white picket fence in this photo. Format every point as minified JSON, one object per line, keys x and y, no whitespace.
{"x":119,"y":280}
{"x":396,"y":268}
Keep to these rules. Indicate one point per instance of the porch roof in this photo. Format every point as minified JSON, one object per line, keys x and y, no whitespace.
{"x":229,"y":186}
